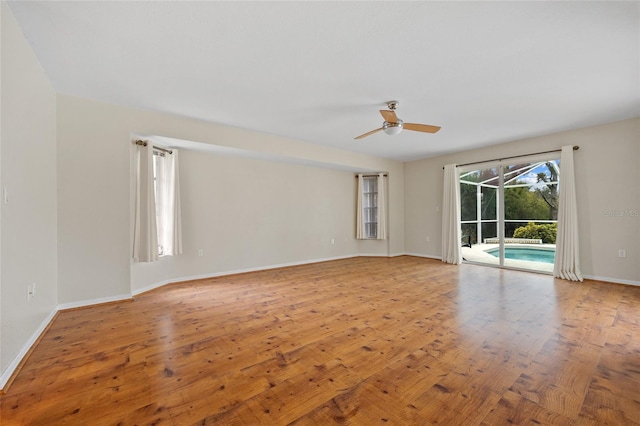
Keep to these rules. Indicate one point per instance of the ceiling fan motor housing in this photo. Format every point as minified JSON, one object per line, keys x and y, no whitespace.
{"x":392,"y":128}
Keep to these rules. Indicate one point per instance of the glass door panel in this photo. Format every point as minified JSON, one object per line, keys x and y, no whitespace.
{"x":509,"y":215}
{"x":479,"y":214}
{"x":531,"y":214}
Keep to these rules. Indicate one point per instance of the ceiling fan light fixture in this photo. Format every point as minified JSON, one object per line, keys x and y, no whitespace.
{"x":392,"y":128}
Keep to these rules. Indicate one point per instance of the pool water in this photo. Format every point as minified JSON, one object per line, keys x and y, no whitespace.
{"x":524,"y":253}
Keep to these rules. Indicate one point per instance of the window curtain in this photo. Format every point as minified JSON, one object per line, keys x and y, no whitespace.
{"x":567,"y":264}
{"x":145,"y":239}
{"x":382,"y":208}
{"x":360,"y":231}
{"x":168,"y":204}
{"x":451,"y":232}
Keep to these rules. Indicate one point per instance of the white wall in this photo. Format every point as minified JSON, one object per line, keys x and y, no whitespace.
{"x":247,"y":213}
{"x":28,"y":171}
{"x":607,"y":170}
{"x":94,"y":198}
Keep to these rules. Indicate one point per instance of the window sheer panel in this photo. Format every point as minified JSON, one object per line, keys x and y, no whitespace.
{"x":162,"y":201}
{"x":175,"y":233}
{"x":168,"y":207}
{"x":145,"y":239}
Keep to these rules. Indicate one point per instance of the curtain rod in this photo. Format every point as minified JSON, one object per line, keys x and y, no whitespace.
{"x":575,"y":148}
{"x":159,"y":148}
{"x":384,"y":174}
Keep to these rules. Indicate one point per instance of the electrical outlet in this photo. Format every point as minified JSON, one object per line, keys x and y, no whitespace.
{"x":333,"y":241}
{"x":30,"y":292}
{"x":622,"y":253}
{"x":200,"y":252}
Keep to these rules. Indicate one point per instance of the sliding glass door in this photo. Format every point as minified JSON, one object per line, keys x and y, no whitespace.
{"x":509,"y":214}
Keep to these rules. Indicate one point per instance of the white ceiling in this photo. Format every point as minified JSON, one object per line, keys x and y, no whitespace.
{"x":487,"y":72}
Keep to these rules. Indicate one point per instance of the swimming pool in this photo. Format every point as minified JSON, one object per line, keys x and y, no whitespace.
{"x":526,"y":253}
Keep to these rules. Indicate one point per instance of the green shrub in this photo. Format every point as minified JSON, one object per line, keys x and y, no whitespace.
{"x":545,"y":231}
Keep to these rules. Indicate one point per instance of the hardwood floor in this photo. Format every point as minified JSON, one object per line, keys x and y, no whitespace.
{"x":357,"y":341}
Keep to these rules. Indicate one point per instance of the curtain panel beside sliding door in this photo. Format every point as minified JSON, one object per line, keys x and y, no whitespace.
{"x":567,"y":263}
{"x":451,"y":233}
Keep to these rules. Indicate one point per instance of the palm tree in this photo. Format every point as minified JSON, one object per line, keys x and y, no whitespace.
{"x":549,"y":193}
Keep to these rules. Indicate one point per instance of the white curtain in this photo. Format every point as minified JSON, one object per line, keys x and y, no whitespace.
{"x":168,"y":203}
{"x":567,"y":264}
{"x":360,"y":231}
{"x":145,"y":239}
{"x":451,"y":232}
{"x":382,"y":208}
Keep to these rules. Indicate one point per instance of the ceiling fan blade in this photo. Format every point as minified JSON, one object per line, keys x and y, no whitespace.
{"x":389,"y":116}
{"x":368,"y":133}
{"x":421,"y":127}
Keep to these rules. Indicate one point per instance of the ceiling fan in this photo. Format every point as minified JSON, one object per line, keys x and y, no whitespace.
{"x":392,"y":125}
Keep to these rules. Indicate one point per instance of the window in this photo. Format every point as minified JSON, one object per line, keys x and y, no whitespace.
{"x":167,"y":201}
{"x":160,"y":189}
{"x":157,"y":216}
{"x":371,"y":210}
{"x":370,"y":206}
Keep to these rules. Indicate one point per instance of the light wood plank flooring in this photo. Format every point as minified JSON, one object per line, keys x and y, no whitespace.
{"x":357,"y":341}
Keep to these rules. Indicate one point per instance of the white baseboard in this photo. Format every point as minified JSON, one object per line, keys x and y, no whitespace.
{"x":428,"y":256}
{"x":84,"y":303}
{"x":241,"y":271}
{"x":6,"y":375}
{"x":13,"y":365}
{"x":154,"y":286}
{"x":259,"y":268}
{"x":612,"y":280}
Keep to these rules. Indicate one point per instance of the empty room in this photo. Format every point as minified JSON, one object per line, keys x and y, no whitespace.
{"x":309,"y":212}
